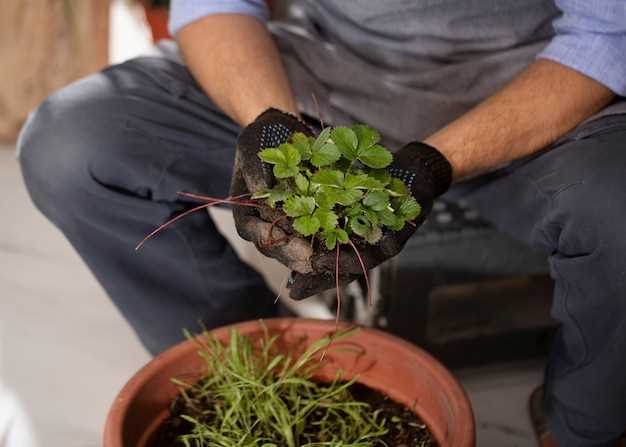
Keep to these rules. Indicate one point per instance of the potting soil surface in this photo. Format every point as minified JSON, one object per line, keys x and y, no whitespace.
{"x":405,"y":429}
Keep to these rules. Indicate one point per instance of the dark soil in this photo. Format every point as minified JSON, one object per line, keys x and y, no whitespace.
{"x":405,"y":429}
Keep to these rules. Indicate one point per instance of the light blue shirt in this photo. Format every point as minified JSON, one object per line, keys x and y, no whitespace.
{"x":590,"y":35}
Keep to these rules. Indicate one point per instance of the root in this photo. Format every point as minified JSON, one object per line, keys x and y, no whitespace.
{"x":367,"y":279}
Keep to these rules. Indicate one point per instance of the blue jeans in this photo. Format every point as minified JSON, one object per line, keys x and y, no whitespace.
{"x":104,"y":157}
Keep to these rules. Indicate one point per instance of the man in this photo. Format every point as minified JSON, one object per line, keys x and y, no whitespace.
{"x":518,"y":102}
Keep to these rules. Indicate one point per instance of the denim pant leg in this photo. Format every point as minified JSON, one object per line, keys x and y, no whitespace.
{"x":104,"y":159}
{"x":570,"y":201}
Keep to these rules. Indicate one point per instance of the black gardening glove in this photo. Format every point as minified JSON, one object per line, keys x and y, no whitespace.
{"x":270,"y":129}
{"x":427,"y":174}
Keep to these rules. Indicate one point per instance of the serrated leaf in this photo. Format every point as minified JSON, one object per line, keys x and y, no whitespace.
{"x":372,"y":216}
{"x":272,"y":155}
{"x":376,"y":157}
{"x":278,"y":193}
{"x":329,"y":178}
{"x":382,"y":175}
{"x":366,"y":136}
{"x":346,"y":140}
{"x":328,"y":219}
{"x":347,"y":197}
{"x":359,"y":225}
{"x":407,"y":208}
{"x":376,"y":200}
{"x":297,"y":206}
{"x":285,"y":159}
{"x":342,"y":235}
{"x":306,"y":225}
{"x":330,"y":239}
{"x":302,"y":183}
{"x":326,"y":155}
{"x":397,"y":187}
{"x":374,"y":235}
{"x":354,"y":210}
{"x":362,"y":181}
{"x":285,"y":171}
{"x":302,"y":143}
{"x":325,"y":199}
{"x":321,"y":139}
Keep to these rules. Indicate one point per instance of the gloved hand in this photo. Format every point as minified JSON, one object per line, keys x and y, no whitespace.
{"x":427,"y":174}
{"x":270,"y":129}
{"x":424,"y":170}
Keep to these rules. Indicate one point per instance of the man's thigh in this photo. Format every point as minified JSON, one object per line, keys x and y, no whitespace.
{"x":143,"y":127}
{"x":560,"y":198}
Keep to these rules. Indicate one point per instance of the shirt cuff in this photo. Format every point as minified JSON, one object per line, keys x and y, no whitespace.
{"x":183,"y":12}
{"x":599,"y":56}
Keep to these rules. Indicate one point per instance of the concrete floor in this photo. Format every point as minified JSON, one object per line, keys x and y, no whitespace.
{"x":65,"y":351}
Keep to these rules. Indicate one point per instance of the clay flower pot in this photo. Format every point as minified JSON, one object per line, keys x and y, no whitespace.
{"x":383,"y":362}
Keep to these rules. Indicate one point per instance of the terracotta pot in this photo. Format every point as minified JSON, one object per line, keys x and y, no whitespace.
{"x":157,"y":18}
{"x":383,"y":362}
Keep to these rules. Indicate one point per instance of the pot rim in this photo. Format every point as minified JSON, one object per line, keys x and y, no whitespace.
{"x":119,"y":409}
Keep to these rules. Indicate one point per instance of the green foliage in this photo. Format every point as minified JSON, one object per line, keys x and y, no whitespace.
{"x":337,"y":185}
{"x":255,"y":396}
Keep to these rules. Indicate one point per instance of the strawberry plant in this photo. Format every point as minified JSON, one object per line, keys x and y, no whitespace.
{"x":336,"y":185}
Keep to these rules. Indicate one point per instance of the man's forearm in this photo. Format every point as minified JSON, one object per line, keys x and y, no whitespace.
{"x":541,"y":104}
{"x":234,"y":59}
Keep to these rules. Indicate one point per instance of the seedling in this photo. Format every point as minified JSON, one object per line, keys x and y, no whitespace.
{"x":255,"y":396}
{"x":335,"y":186}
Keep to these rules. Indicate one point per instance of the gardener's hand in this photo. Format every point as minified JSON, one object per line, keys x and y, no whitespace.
{"x":270,"y":129}
{"x":427,"y":174}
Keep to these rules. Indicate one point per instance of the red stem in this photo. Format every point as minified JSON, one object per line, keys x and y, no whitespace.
{"x":367,"y":280}
{"x":338,"y":287}
{"x":230,"y":200}
{"x":317,"y":109}
{"x":270,"y":239}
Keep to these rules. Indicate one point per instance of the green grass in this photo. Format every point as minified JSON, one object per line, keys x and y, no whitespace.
{"x":253,"y":396}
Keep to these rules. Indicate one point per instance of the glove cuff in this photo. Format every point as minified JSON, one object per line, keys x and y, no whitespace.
{"x":436,"y":164}
{"x":426,"y":162}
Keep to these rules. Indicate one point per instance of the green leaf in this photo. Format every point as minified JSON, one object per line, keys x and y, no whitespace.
{"x":278,"y":193}
{"x":306,"y":225}
{"x":382,"y":175}
{"x":354,"y":210}
{"x":376,"y":200}
{"x":285,"y":159}
{"x":362,"y":181}
{"x":330,"y":239}
{"x":346,"y":140}
{"x":321,"y":139}
{"x":366,"y":135}
{"x":407,"y":208}
{"x":325,"y":199}
{"x":297,"y":206}
{"x":328,"y":219}
{"x":342,"y":235}
{"x":375,"y":157}
{"x":397,"y":187}
{"x":301,"y":142}
{"x":272,"y":155}
{"x":389,"y":219}
{"x":329,"y":178}
{"x":347,"y":197}
{"x":326,"y":155}
{"x":360,"y":225}
{"x":302,"y":183}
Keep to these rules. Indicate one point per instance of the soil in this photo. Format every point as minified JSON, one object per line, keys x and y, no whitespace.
{"x":405,"y":428}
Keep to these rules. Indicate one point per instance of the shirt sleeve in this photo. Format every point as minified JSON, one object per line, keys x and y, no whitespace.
{"x":183,"y":12}
{"x":590,"y":37}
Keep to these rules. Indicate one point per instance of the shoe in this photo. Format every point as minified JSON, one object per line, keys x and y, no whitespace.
{"x":544,"y":437}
